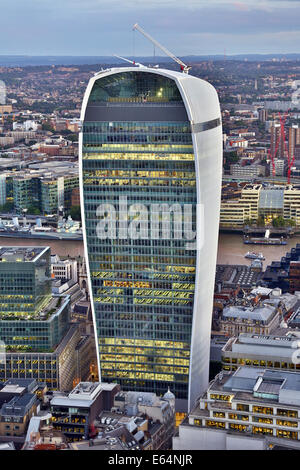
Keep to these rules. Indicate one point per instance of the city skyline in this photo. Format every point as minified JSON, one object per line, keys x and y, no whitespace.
{"x":105,"y":28}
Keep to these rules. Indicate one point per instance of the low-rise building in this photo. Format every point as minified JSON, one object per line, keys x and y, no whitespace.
{"x":249,"y":409}
{"x":277,"y":351}
{"x":75,"y":413}
{"x":261,"y":319}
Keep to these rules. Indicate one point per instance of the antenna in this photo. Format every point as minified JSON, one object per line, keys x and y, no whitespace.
{"x":184,"y":68}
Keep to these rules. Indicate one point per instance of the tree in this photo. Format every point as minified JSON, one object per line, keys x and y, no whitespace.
{"x":75,"y":213}
{"x":33,"y":210}
{"x":278,"y":222}
{"x":261,"y":221}
{"x":7,"y":207}
{"x":46,"y":126}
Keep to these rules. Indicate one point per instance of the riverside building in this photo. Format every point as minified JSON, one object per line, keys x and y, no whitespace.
{"x":153,"y":136}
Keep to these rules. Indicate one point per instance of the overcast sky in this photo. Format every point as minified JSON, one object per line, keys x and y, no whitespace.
{"x":104,"y":27}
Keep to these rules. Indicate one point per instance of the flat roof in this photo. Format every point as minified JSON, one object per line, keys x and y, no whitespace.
{"x":245,"y":378}
{"x":11,"y":254}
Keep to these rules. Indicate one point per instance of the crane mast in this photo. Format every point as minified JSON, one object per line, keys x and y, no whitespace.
{"x":185,"y":68}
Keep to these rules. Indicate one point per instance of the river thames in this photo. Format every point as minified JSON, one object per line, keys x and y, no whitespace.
{"x":231,"y":248}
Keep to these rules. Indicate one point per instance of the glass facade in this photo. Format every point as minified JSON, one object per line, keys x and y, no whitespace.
{"x":26,"y":193}
{"x":39,"y":334}
{"x":25,"y":281}
{"x":143,"y":289}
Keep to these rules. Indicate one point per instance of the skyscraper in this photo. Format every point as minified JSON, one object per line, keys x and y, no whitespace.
{"x":151,"y":139}
{"x":277,"y":142}
{"x":294,"y":142}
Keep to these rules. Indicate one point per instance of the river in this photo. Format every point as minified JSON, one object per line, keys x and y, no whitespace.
{"x":231,"y":248}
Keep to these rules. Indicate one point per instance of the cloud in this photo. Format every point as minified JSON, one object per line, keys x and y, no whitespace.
{"x":104,"y":27}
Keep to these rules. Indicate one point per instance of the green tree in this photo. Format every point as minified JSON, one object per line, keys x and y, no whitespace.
{"x":75,"y":213}
{"x":278,"y":222}
{"x":261,"y":221}
{"x":33,"y":210}
{"x":7,"y":207}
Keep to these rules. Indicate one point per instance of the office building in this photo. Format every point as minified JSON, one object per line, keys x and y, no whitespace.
{"x":68,"y":363}
{"x":263,"y":115}
{"x":65,"y":269}
{"x":18,"y":403}
{"x":75,"y":413}
{"x":294,"y":142}
{"x":263,"y":318}
{"x":247,"y":171}
{"x":249,"y":409}
{"x":153,"y":136}
{"x":272,"y":351}
{"x":2,"y":190}
{"x":35,"y":324}
{"x":2,"y":92}
{"x":277,"y":148}
{"x":25,"y":281}
{"x":284,"y":273}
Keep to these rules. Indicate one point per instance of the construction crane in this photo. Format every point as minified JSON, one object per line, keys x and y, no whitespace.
{"x":128,"y":60}
{"x":183,"y":67}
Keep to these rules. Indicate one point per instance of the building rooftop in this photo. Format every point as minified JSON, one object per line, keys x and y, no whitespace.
{"x":18,"y":405}
{"x":271,"y":198}
{"x":260,"y":385}
{"x":14,"y":254}
{"x":261,"y":313}
{"x":83,"y":395}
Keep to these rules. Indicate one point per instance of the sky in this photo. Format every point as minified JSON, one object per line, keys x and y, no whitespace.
{"x":186,"y":27}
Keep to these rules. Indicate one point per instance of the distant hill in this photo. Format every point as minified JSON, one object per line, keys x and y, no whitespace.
{"x":24,"y":60}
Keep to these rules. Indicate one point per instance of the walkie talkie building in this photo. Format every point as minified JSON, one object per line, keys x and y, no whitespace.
{"x":151,"y":139}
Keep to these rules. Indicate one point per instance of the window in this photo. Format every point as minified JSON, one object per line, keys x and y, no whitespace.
{"x":220,"y":397}
{"x":261,"y":430}
{"x":283,"y":422}
{"x":259,"y":419}
{"x":287,"y":434}
{"x":263,"y":410}
{"x":215,"y":424}
{"x":238,"y":417}
{"x":242,"y":407}
{"x":218,"y":414}
{"x":237,"y":427}
{"x":288,"y":413}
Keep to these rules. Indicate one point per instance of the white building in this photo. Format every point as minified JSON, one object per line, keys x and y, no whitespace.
{"x":64,"y":269}
{"x":2,"y":92}
{"x":250,"y":409}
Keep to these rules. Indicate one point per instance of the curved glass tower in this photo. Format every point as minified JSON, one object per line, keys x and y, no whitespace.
{"x":150,"y":173}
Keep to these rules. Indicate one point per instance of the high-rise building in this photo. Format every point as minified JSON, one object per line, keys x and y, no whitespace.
{"x":40,"y":341}
{"x":25,"y":281}
{"x":277,"y":143}
{"x":2,"y":190}
{"x":2,"y":92}
{"x":294,"y":142}
{"x":151,"y":137}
